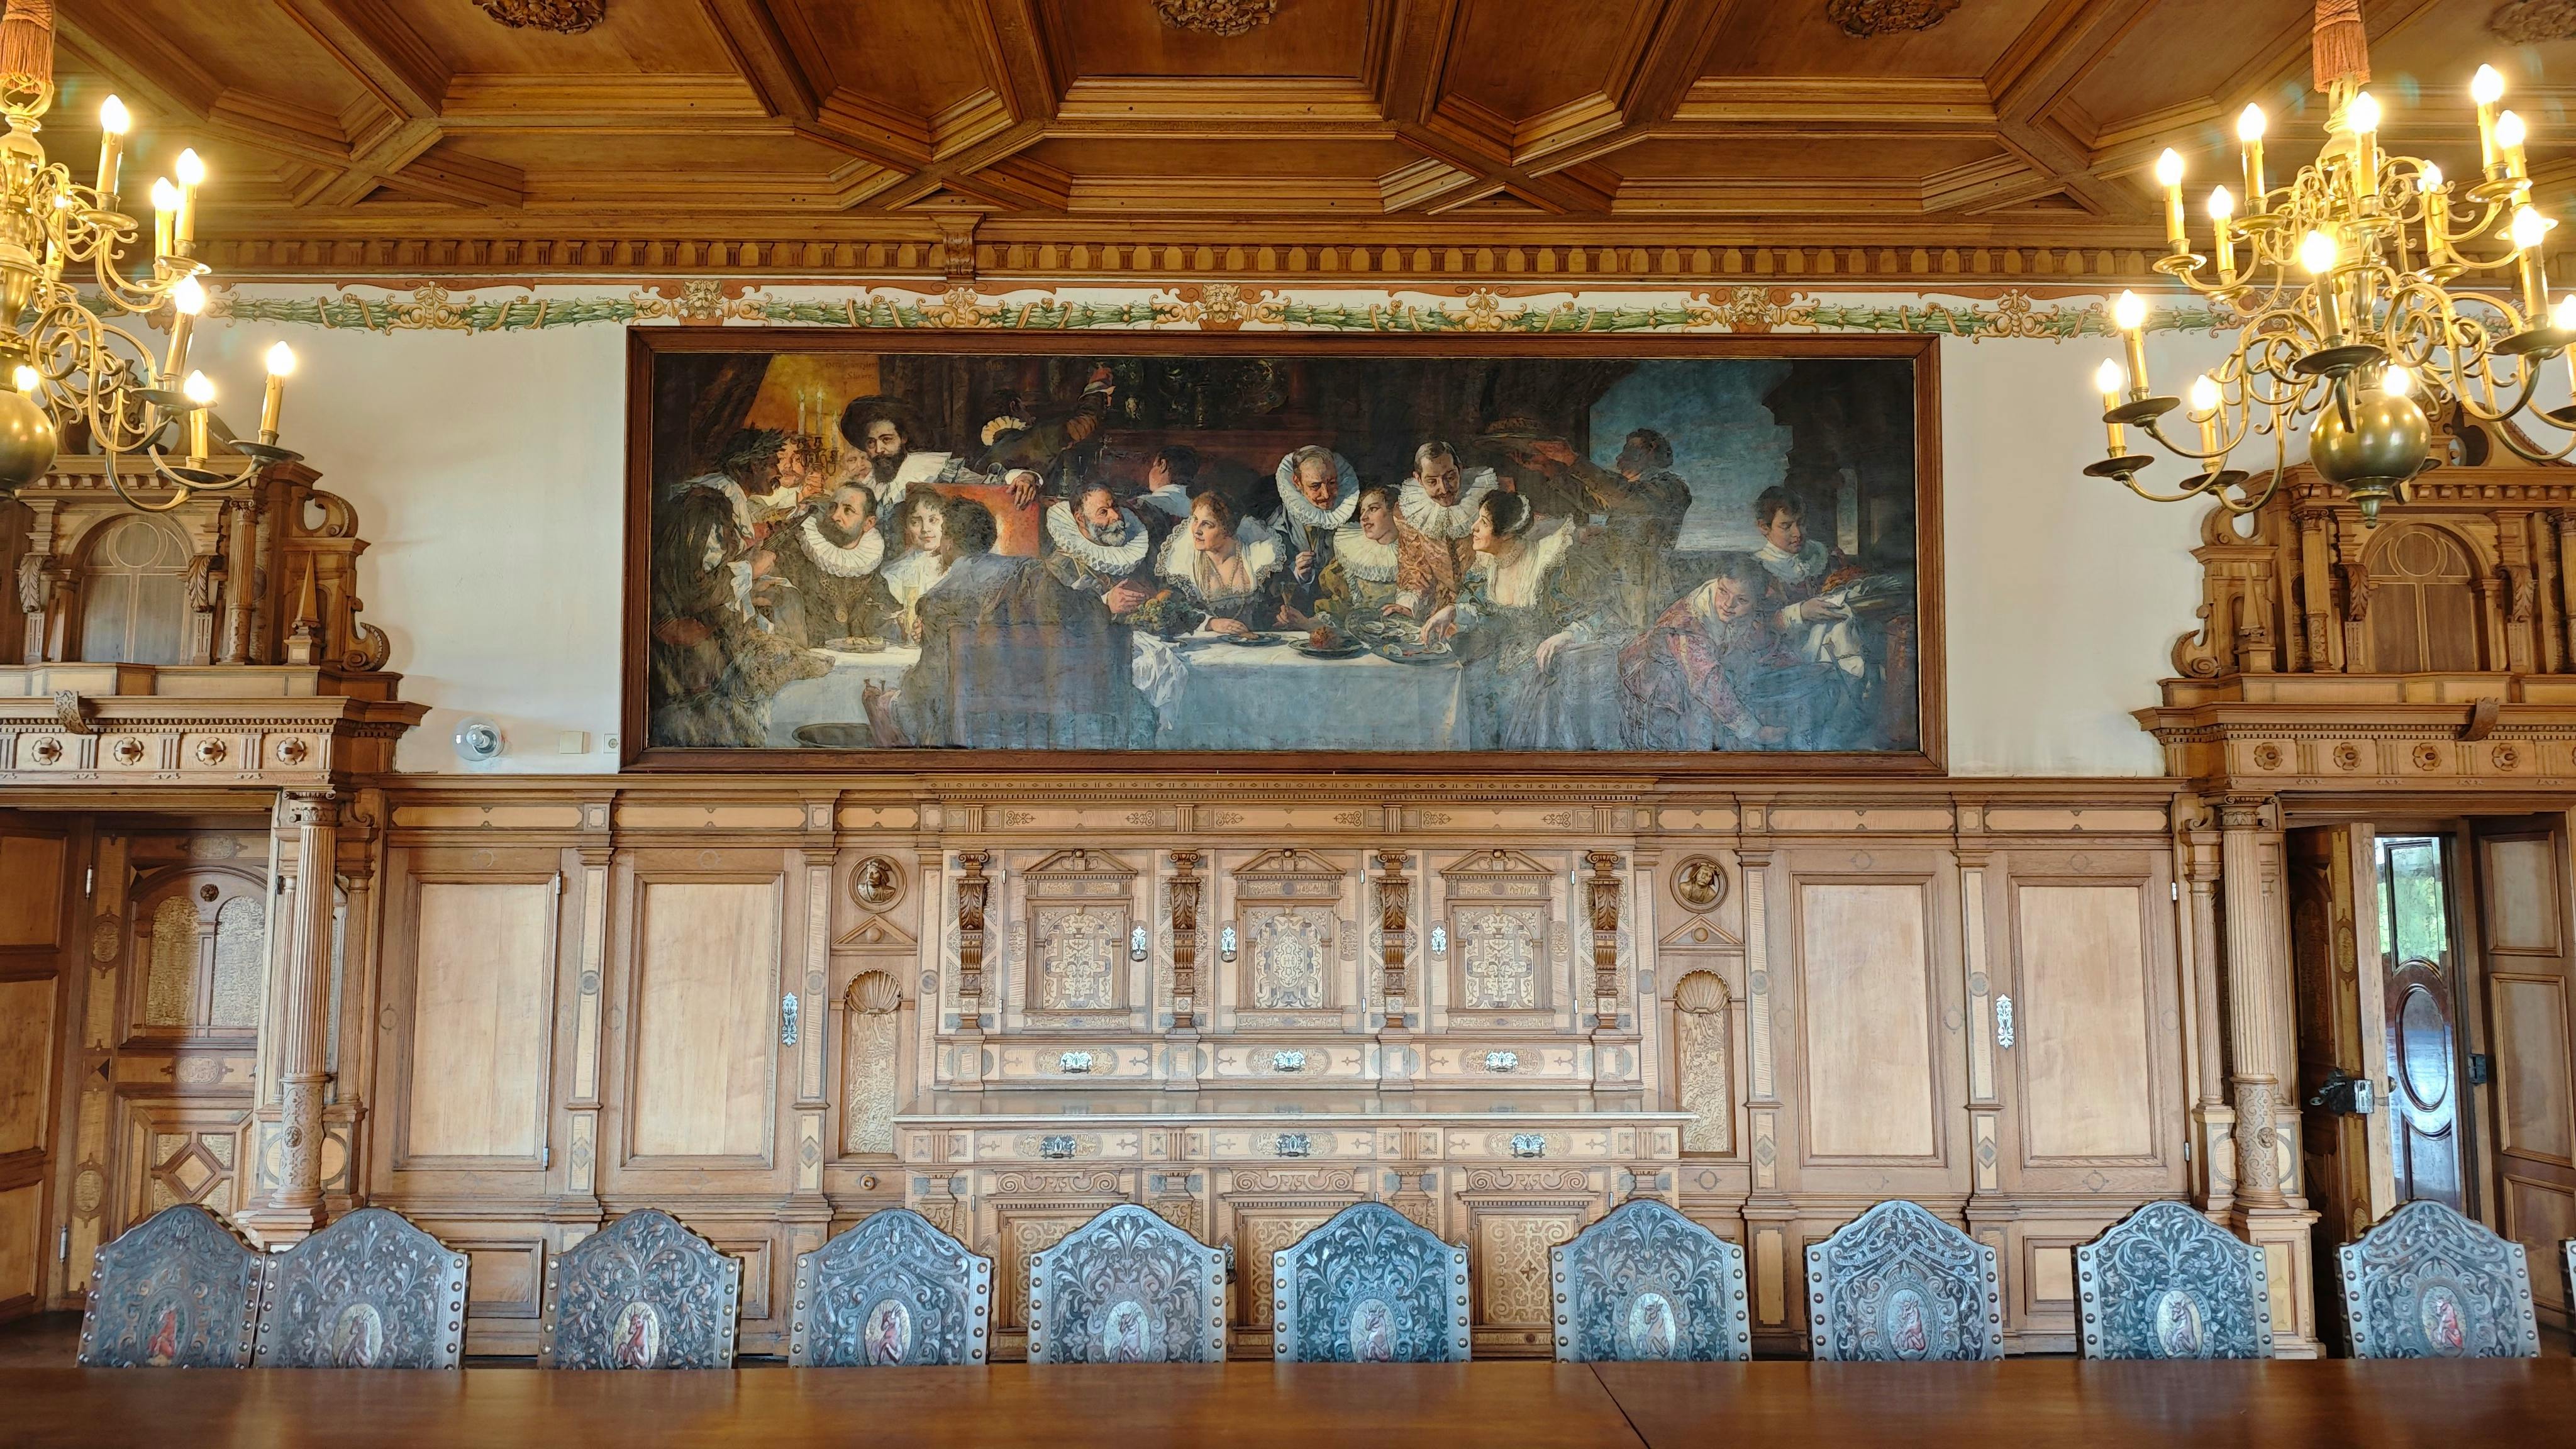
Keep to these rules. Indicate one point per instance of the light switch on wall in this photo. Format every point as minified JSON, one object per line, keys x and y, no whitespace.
{"x":573,"y":742}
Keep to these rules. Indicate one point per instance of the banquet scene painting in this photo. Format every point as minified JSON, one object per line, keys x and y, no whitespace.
{"x":890,"y":550}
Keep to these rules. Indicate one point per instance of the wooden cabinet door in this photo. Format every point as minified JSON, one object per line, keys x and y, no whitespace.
{"x":35,"y":884}
{"x":2523,"y":900}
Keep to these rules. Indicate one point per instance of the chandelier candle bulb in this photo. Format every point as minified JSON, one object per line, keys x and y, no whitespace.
{"x":2169,"y":175}
{"x":2529,"y":230}
{"x":2109,"y":380}
{"x":200,"y":391}
{"x":2222,"y":209}
{"x":112,"y":123}
{"x":2204,"y":410}
{"x":192,"y":173}
{"x":2362,"y":116}
{"x":281,"y":361}
{"x":2437,"y":213}
{"x":2509,"y":135}
{"x":2129,"y":314}
{"x":187,"y":300}
{"x":165,"y":206}
{"x":2487,"y":89}
{"x":2249,"y":133}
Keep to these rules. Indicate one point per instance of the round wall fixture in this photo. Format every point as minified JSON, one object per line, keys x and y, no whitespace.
{"x":478,"y":741}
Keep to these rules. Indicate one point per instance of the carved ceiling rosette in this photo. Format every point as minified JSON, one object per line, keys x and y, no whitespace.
{"x":2533,"y":22}
{"x":1223,"y":17}
{"x":564,"y":17}
{"x":1865,"y":18}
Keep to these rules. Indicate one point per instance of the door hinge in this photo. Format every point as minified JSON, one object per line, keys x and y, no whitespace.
{"x":2481,"y":1069}
{"x":2177,"y":888}
{"x":89,"y":882}
{"x":545,"y":1157}
{"x":558,"y":885}
{"x":63,"y":1245}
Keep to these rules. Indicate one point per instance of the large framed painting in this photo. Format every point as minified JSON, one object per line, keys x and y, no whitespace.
{"x":1706,"y":554}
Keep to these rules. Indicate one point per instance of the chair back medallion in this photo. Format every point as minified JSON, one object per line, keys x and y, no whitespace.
{"x":643,"y":1292}
{"x":2166,"y":1282}
{"x":1127,"y":1287}
{"x":1897,"y":1284}
{"x":369,"y":1291}
{"x":178,"y":1290}
{"x":1370,"y":1286}
{"x":1646,"y":1282}
{"x":892,"y":1290}
{"x":2429,"y":1283}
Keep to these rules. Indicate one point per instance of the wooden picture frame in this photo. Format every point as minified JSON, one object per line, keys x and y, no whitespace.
{"x":647,"y":346}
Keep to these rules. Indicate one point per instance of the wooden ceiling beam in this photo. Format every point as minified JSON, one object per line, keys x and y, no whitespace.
{"x":140,"y":58}
{"x":768,"y":63}
{"x":2031,"y":80}
{"x":373,"y":44}
{"x":1021,"y":64}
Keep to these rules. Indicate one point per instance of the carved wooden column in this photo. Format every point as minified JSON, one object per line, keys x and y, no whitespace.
{"x":972,"y":886}
{"x":241,"y":519}
{"x":2565,"y":521}
{"x":1603,"y":889}
{"x":596,"y":852}
{"x":1181,"y":1070}
{"x":2213,"y":1120}
{"x":1395,"y":1040}
{"x":2316,"y":587}
{"x":300,"y":1009}
{"x":2268,"y":1210}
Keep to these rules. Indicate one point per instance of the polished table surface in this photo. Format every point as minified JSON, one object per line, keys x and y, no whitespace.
{"x":2522,"y":1404}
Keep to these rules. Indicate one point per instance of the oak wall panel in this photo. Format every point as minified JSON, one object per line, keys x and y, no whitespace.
{"x":31,"y":910}
{"x":706,"y":994}
{"x":1864,"y":955}
{"x":479,"y":1029}
{"x":2534,"y":1081}
{"x":2086,"y":1056}
{"x":22,"y":1230}
{"x":26,"y":1059}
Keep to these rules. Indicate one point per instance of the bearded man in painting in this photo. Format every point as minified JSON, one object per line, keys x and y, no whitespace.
{"x":820,"y":573}
{"x":1099,"y":548}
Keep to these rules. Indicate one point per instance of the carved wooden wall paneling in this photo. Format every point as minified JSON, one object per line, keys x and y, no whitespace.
{"x":1844,"y":929}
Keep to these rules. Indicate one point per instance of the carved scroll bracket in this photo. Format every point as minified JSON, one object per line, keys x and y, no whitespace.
{"x":1392,"y":901}
{"x":972,"y":887}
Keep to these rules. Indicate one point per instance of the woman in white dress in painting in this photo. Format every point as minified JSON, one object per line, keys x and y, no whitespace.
{"x":1541,"y":659}
{"x":1220,"y":571}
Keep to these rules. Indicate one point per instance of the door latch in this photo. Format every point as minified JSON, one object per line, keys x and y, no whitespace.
{"x":2344,"y":1094}
{"x":2481,"y":1069}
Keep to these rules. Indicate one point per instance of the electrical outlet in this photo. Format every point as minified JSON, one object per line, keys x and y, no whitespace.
{"x":608,"y":743}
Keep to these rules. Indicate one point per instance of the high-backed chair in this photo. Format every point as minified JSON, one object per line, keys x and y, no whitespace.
{"x":643,"y":1292}
{"x":1127,"y":1287}
{"x":369,"y":1291}
{"x":1897,"y":1283}
{"x":2426,"y":1282}
{"x":2166,"y":1282}
{"x":1647,"y":1283}
{"x":1369,"y":1286}
{"x":892,"y":1290}
{"x":178,"y":1290}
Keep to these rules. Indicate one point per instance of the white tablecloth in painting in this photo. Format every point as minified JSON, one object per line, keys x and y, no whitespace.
{"x":1226,"y":696}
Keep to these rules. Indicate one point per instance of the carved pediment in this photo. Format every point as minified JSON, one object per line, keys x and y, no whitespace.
{"x":1496,"y":863}
{"x":876,"y":933}
{"x":1069,"y":867}
{"x":1700,"y":933}
{"x":1289,"y":875}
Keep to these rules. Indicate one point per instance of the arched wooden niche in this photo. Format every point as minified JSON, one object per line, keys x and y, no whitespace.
{"x":2423,"y":610}
{"x":870,"y":1055}
{"x":133,"y":591}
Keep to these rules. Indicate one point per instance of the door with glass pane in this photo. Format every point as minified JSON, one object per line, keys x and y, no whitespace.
{"x":2418,"y":962}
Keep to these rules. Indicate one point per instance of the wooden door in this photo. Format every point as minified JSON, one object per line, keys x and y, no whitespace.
{"x":2336,"y":965}
{"x":35,"y":887}
{"x":2523,"y":879}
{"x":2419,"y":964}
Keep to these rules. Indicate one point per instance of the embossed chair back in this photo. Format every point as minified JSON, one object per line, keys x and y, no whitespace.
{"x":2166,"y":1282}
{"x":892,"y":1290}
{"x":2429,"y":1283}
{"x":643,"y":1292}
{"x":1369,"y":1286}
{"x":1127,"y":1287}
{"x":369,"y":1291}
{"x":178,"y":1290}
{"x":1647,"y":1283}
{"x":1898,"y":1284}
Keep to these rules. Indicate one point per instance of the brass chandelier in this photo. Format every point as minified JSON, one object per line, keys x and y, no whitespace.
{"x":62,"y":360}
{"x":2366,"y":288}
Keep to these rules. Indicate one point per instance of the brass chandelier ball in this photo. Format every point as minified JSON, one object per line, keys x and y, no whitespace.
{"x":26,"y":442}
{"x":2382,"y":446}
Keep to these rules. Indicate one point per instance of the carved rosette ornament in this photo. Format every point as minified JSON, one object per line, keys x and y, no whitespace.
{"x":2533,"y":22}
{"x":1865,"y":18}
{"x":564,"y":17}
{"x":1223,"y":17}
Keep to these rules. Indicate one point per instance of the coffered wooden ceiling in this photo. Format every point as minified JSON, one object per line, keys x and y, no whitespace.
{"x":425,"y":135}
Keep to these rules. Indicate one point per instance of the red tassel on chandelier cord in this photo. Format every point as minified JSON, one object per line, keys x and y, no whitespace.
{"x":27,"y":40}
{"x":2341,"y":51}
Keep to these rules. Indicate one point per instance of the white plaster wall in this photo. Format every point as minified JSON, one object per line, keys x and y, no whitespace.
{"x":488,"y":473}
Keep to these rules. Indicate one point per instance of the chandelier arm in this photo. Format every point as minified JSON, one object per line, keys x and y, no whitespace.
{"x":178,"y":496}
{"x":161,"y":465}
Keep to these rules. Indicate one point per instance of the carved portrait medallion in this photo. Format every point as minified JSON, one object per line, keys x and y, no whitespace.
{"x":1652,"y":1331}
{"x":1372,"y":1331}
{"x":357,"y":1336}
{"x":2179,"y":1330}
{"x":1126,"y":1333}
{"x":876,"y":883}
{"x":2446,"y":1325}
{"x":1699,"y":883}
{"x":635,"y":1338}
{"x":887,"y":1336}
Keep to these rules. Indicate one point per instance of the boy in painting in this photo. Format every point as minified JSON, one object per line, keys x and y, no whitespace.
{"x":1714,"y":673}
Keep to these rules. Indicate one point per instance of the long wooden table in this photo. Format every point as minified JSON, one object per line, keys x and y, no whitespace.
{"x":2520,"y":1405}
